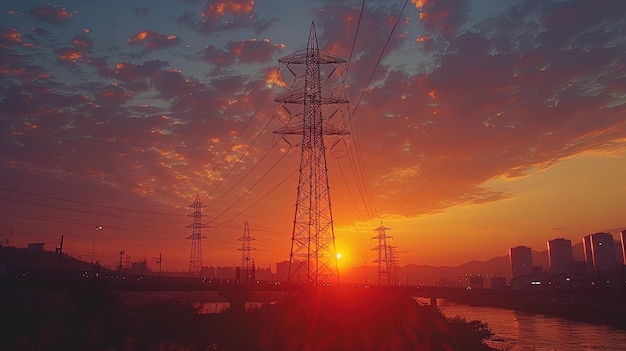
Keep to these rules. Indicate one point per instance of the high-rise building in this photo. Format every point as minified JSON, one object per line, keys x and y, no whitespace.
{"x":600,"y":252}
{"x":521,"y":261}
{"x":559,"y":255}
{"x":588,"y":253}
{"x":622,"y":238}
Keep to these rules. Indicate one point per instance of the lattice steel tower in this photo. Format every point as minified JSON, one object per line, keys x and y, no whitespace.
{"x":313,"y":257}
{"x":246,"y":255}
{"x":385,"y":257}
{"x":393,"y":266}
{"x":195,"y":258}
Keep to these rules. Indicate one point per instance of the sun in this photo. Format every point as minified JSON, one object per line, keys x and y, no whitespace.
{"x":339,"y":255}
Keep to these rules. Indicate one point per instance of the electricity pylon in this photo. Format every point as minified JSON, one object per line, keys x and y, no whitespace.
{"x":393,"y":266}
{"x":385,"y":257}
{"x":313,"y":257}
{"x":246,"y":255}
{"x":195,"y":258}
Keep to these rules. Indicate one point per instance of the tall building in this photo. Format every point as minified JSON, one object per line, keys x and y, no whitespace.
{"x":622,"y":238}
{"x":559,"y":255}
{"x":588,"y":253}
{"x":600,"y":252}
{"x":521,"y":261}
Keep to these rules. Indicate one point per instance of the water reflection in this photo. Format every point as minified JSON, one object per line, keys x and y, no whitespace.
{"x":219,"y":307}
{"x":519,"y":331}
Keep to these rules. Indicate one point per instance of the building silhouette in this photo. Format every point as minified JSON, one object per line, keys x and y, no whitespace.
{"x":521,"y":261}
{"x":622,"y":237}
{"x":599,"y":250}
{"x":559,"y":255}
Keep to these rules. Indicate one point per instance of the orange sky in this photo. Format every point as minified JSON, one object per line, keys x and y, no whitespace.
{"x":475,"y":127}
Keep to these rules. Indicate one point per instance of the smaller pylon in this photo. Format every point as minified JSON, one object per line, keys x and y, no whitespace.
{"x":393,"y":266}
{"x":384,"y":255}
{"x":195,"y":258}
{"x":247,"y":262}
{"x":120,"y":266}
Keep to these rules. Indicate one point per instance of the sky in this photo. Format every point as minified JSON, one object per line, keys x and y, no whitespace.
{"x":475,"y":126}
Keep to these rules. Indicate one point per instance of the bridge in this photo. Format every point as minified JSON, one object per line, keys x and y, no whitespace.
{"x":600,"y":305}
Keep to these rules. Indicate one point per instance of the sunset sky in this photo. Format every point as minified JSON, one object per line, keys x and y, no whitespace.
{"x":476,"y":126}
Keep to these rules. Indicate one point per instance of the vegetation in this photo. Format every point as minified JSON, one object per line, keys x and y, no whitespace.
{"x":323,"y":319}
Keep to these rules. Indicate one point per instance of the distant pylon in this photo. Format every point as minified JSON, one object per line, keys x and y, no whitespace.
{"x":120,"y":266}
{"x":393,"y":266}
{"x":246,"y":255}
{"x":313,"y":257}
{"x":195,"y":258}
{"x":385,"y":255}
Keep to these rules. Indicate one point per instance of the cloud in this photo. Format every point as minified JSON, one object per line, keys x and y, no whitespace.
{"x":336,"y":25}
{"x":524,"y":88}
{"x":82,"y":41}
{"x":443,"y":17}
{"x":244,"y":51}
{"x":237,"y":8}
{"x":128,"y":72}
{"x":217,"y":56}
{"x":70,"y":54}
{"x":171,"y":84}
{"x":51,"y":14}
{"x":218,"y":16}
{"x":113,"y":95}
{"x":151,"y":40}
{"x":483,"y":113}
{"x":10,"y":37}
{"x":142,"y":11}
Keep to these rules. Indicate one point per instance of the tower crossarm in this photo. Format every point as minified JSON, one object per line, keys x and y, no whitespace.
{"x":297,"y":128}
{"x":298,"y":96}
{"x":300,"y":58}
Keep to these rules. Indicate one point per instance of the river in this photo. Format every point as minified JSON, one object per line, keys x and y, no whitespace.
{"x":520,"y":331}
{"x":514,"y":331}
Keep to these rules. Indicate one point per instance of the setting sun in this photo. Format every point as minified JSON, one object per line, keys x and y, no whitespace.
{"x":339,"y":255}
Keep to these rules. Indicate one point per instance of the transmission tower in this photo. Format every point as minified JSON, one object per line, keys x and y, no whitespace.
{"x":393,"y":266}
{"x":313,"y":257}
{"x":246,"y":255}
{"x":385,"y":255}
{"x":195,"y":258}
{"x":120,"y":266}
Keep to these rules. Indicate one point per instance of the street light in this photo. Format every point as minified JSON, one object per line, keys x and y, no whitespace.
{"x":93,"y":245}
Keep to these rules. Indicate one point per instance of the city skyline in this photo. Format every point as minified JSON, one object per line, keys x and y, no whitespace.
{"x":476,"y":126}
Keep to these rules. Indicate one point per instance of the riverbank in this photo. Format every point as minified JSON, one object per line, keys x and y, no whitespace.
{"x":524,"y":331}
{"x":322,"y":319}
{"x":592,"y":306}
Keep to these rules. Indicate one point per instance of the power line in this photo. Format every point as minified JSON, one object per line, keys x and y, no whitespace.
{"x":345,"y":180}
{"x":358,"y":165}
{"x":89,"y":203}
{"x":261,"y":198}
{"x":241,"y":179}
{"x":380,"y":57}
{"x":56,"y":207}
{"x":356,"y":32}
{"x":52,"y":167}
{"x":238,"y":136}
{"x":250,"y":188}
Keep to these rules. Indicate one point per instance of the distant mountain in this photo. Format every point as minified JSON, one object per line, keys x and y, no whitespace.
{"x":499,"y":266}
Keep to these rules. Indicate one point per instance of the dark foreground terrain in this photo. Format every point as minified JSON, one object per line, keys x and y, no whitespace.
{"x":92,"y":318}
